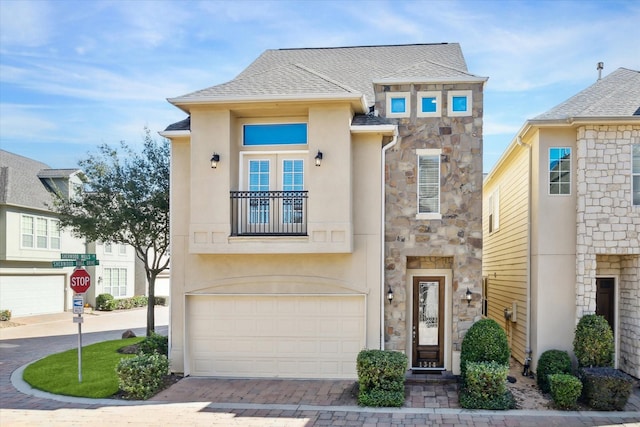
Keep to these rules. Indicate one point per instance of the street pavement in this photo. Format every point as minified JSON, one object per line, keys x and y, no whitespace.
{"x":229,"y":402}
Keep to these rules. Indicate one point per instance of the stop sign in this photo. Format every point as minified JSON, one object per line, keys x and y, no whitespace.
{"x":80,"y":281}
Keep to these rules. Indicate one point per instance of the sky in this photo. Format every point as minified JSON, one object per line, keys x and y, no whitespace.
{"x":77,"y":74}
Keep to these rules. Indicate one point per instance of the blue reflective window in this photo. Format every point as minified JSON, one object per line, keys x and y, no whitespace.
{"x":398,"y":105}
{"x":459,"y":103}
{"x":429,"y":105}
{"x":275,"y":134}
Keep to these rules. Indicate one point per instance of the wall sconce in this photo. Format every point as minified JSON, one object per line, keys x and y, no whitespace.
{"x":319,"y":158}
{"x":468,"y":296}
{"x":390,"y":295}
{"x":215,"y":158}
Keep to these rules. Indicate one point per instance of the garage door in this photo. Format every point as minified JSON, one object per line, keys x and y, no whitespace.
{"x":31,"y":295}
{"x":275,"y":336}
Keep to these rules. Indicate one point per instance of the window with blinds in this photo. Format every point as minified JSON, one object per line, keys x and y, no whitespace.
{"x":429,"y":183}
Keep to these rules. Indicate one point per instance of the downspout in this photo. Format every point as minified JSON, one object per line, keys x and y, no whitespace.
{"x":385,"y":148}
{"x":528,"y":349}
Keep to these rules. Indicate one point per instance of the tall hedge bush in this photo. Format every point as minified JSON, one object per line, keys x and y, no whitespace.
{"x":485,"y":341}
{"x":593,"y":344}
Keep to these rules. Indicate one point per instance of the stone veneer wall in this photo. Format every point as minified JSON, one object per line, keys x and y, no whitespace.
{"x":453,"y":242}
{"x":608,"y":224}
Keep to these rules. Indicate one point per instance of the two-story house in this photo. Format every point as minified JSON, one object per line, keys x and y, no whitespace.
{"x":562,"y":223}
{"x":31,"y":238}
{"x":325,"y":201}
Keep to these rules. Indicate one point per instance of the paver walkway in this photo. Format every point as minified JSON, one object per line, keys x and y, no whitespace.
{"x":229,"y":402}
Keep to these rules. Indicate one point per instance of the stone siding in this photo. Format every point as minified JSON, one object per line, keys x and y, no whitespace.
{"x":608,"y":229}
{"x":453,"y":242}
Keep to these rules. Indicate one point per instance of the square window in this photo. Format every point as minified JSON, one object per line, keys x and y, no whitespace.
{"x":398,"y":104}
{"x":459,"y":103}
{"x":429,"y":104}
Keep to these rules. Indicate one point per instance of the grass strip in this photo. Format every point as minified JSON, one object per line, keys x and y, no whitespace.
{"x":58,"y":373}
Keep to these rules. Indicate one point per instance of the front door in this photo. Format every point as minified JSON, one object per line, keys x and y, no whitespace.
{"x":428,"y":325}
{"x":605,"y":299}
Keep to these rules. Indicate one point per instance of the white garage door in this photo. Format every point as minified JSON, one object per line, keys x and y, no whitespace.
{"x":275,"y":336}
{"x":31,"y":295}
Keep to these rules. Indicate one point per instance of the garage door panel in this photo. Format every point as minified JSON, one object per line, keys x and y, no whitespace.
{"x":276,"y":336}
{"x":32,"y":295}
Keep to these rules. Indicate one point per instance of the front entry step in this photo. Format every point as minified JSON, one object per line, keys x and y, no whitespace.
{"x":433,"y":377}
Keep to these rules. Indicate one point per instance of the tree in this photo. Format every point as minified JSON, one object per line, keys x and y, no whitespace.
{"x":125,"y":199}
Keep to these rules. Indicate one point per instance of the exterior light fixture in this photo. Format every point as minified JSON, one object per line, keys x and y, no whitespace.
{"x":468,"y":296}
{"x":390,"y":295}
{"x":319,"y":158}
{"x":215,"y":158}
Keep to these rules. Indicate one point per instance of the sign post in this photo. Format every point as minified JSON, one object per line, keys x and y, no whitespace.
{"x":80,"y":282}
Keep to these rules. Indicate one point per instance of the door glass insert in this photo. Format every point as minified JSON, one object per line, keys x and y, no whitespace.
{"x":259,"y":181}
{"x":292,"y":180}
{"x":428,"y":313}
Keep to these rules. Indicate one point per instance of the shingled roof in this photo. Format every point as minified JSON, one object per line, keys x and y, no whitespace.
{"x":340,"y":72}
{"x":616,"y":95}
{"x":21,"y":183}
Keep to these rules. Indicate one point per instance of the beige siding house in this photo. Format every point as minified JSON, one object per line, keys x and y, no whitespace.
{"x":322,"y":202}
{"x":562,"y":223}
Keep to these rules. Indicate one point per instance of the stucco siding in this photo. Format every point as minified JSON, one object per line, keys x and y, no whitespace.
{"x":505,"y":252}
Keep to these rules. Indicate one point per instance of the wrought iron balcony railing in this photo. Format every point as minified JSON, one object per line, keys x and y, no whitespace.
{"x":268,"y":213}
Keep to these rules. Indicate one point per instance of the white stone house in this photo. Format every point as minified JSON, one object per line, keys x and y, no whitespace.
{"x":311,"y":188}
{"x":562,"y":223}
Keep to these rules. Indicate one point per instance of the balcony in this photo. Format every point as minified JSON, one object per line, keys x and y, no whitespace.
{"x":268,"y":213}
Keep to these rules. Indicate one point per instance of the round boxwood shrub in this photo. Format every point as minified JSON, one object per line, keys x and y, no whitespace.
{"x":485,"y":341}
{"x":565,"y":390}
{"x":105,"y":302}
{"x":552,"y":362}
{"x":593,"y":344}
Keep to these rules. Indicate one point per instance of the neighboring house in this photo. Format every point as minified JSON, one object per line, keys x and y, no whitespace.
{"x":562,"y":223}
{"x":307,"y":188}
{"x":30,"y":239}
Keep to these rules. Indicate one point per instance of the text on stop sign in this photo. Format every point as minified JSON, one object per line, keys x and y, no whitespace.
{"x":80,"y":281}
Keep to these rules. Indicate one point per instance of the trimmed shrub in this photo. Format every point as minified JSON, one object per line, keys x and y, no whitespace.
{"x":593,"y":344}
{"x":552,"y":362}
{"x":381,"y":377}
{"x":155,"y":343}
{"x":142,"y":376}
{"x":139,"y":301}
{"x":565,"y":390}
{"x":605,"y":388}
{"x":5,"y":314}
{"x":162,"y":300}
{"x":105,"y":302}
{"x":485,"y":341}
{"x":486,"y":387}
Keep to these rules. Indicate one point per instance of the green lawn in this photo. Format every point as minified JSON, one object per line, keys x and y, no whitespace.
{"x":58,"y":373}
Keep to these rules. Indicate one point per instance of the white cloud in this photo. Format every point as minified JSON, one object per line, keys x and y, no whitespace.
{"x":24,"y":23}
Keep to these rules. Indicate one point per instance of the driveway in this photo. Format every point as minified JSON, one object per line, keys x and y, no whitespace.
{"x":229,"y":402}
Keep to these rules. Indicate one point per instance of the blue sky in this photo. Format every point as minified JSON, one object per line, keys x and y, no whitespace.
{"x":75,"y":74}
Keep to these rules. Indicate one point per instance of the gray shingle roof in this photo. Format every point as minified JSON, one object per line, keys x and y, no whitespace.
{"x":20,"y":182}
{"x":339,"y":71}
{"x":616,"y":95}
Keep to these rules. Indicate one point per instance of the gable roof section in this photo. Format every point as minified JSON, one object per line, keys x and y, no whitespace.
{"x":21,"y":184}
{"x":616,"y":95}
{"x":341,"y":72}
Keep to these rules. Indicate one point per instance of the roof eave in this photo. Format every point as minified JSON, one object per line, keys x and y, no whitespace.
{"x":388,"y":129}
{"x":417,"y":80}
{"x":184,"y":103}
{"x":584,"y":120}
{"x":174,"y":133}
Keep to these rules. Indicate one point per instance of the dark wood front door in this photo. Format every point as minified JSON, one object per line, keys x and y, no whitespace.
{"x":428,"y":324}
{"x":605,"y":299}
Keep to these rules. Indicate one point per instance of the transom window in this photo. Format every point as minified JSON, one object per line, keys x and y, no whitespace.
{"x":429,"y":184}
{"x":398,"y":104}
{"x":459,"y":103}
{"x":429,"y":104}
{"x":275,"y":134}
{"x":560,"y":171}
{"x":39,"y":232}
{"x":635,"y":172}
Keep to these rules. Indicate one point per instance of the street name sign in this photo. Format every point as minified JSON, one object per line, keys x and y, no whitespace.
{"x":83,"y":257}
{"x":73,"y":263}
